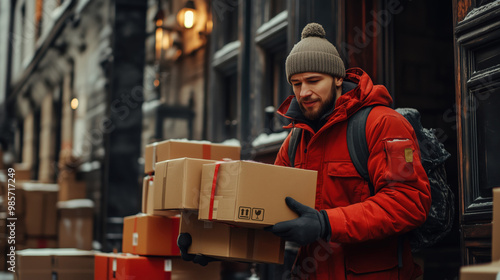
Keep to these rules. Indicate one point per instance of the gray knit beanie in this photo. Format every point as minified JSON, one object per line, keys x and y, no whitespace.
{"x":314,"y":53}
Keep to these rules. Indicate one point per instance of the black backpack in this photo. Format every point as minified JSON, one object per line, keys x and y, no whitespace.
{"x":433,"y":155}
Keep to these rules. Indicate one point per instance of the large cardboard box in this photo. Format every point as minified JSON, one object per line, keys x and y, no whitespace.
{"x":41,"y":209}
{"x":48,"y":264}
{"x":172,"y":149}
{"x":150,"y":235}
{"x":177,"y":184}
{"x":490,"y":271}
{"x":252,"y":194}
{"x":495,"y":246}
{"x":148,"y":199}
{"x":76,"y":223}
{"x":126,"y":267}
{"x":231,"y":243}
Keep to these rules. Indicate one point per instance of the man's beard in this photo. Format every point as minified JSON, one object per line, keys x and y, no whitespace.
{"x":326,"y":105}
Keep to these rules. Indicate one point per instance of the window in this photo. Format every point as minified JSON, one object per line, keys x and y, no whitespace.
{"x":227,"y":25}
{"x":276,"y":92}
{"x":230,"y":102}
{"x":271,"y":37}
{"x":38,"y":18}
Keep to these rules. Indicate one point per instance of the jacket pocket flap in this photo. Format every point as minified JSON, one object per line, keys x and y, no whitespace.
{"x":361,"y":259}
{"x":342,"y":169}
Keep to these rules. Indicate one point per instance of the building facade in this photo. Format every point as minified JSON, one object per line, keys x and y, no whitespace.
{"x":88,"y":83}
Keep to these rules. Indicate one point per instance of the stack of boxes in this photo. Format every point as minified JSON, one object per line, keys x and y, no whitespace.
{"x":490,"y":271}
{"x":223,"y":205}
{"x":150,"y":238}
{"x":41,"y":216}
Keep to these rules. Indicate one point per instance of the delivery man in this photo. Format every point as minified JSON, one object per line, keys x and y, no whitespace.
{"x":351,"y":233}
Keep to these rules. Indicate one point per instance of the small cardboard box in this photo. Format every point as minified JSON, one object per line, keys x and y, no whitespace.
{"x":63,"y":264}
{"x":490,"y":271}
{"x":172,"y":149}
{"x":231,"y":243}
{"x":495,"y":246}
{"x":76,"y":223}
{"x":41,"y":209}
{"x":177,"y":184}
{"x":150,"y":235}
{"x":148,"y":199}
{"x":126,"y":267}
{"x":252,"y":194}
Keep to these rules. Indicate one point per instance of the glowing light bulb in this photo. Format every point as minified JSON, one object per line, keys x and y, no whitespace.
{"x":74,"y":103}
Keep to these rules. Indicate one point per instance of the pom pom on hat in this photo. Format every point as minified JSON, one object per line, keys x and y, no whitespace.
{"x":313,"y":30}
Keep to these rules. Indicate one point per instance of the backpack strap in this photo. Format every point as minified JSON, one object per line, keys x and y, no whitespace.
{"x":357,"y":145}
{"x":294,"y":143}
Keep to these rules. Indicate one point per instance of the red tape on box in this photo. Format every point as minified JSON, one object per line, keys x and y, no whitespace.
{"x":212,"y":195}
{"x":207,"y":151}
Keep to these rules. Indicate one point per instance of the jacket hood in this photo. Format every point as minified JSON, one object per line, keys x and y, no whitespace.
{"x":358,"y":91}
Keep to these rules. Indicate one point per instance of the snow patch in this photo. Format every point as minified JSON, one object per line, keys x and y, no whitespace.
{"x":76,"y":203}
{"x":32,"y":187}
{"x":273,"y":138}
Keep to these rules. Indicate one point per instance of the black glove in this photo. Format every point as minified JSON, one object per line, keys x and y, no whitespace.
{"x":307,"y":228}
{"x":184,"y":241}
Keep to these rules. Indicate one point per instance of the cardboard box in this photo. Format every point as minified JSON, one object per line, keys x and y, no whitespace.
{"x":490,"y":271}
{"x":495,"y":245}
{"x":17,"y":192}
{"x":48,"y":264}
{"x":76,"y":223}
{"x":126,"y":267}
{"x":23,"y":172}
{"x":41,"y":210}
{"x":252,"y":194}
{"x":177,"y":184}
{"x":150,"y":235}
{"x":71,"y":189}
{"x":148,"y":198}
{"x":172,"y":149}
{"x":37,"y":243}
{"x":232,"y":243}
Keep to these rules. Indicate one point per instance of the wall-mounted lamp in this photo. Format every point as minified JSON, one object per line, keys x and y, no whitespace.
{"x":167,"y":39}
{"x":187,"y":15}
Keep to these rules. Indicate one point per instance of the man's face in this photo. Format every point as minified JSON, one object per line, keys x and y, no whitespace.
{"x":315,"y":92}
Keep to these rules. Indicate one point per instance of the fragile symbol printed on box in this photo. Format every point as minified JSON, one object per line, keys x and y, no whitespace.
{"x":257,"y":214}
{"x":248,"y":213}
{"x":244,"y":213}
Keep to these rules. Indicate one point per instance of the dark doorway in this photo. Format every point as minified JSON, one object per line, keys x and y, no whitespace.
{"x":424,"y":79}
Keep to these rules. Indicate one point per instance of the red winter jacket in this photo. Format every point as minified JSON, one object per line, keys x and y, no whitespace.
{"x":365,"y":229}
